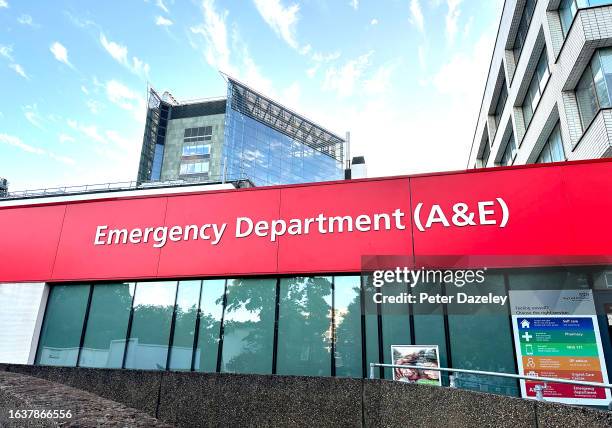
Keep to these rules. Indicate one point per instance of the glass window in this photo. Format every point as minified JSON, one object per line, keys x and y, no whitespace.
{"x":209,"y":329}
{"x":107,"y":324}
{"x":552,"y":280}
{"x":196,"y":150}
{"x":501,"y":102}
{"x":509,"y":152}
{"x":486,"y":152}
{"x":372,"y":317}
{"x":186,"y":312}
{"x":61,"y":332}
{"x":536,"y":87}
{"x":197,"y":167}
{"x":553,"y":149}
{"x":151,"y":320}
{"x":304,"y":326}
{"x":523,"y":28}
{"x":347,"y":320}
{"x":395,"y":323}
{"x":592,"y":91}
{"x":248,"y":326}
{"x":429,"y":323}
{"x":481,"y":339}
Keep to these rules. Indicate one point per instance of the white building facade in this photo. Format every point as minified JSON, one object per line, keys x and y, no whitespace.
{"x":548,"y":95}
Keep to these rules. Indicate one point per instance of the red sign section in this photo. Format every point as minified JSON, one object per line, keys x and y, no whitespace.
{"x":518,"y":216}
{"x":217,"y":251}
{"x":341,"y":251}
{"x":28,"y":242}
{"x":78,"y":258}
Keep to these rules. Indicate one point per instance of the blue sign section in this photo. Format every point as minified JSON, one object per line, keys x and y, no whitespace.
{"x":564,"y":323}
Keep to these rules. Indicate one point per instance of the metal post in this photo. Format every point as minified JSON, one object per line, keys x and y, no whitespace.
{"x":451,"y":380}
{"x":539,"y":389}
{"x":372,"y":368}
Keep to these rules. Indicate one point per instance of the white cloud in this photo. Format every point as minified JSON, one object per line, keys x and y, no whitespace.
{"x":65,"y":138}
{"x":19,"y":70}
{"x":320,"y":59}
{"x":380,"y":82}
{"x":126,"y":99}
{"x":31,"y":114}
{"x":6,"y":52}
{"x":354,"y":4}
{"x":14,"y":141}
{"x":291,"y":95}
{"x":121,"y":141}
{"x":214,"y":30}
{"x":60,"y":53}
{"x":237,"y":61}
{"x":25,"y":20}
{"x":164,"y":22}
{"x":91,"y":131}
{"x":416,"y":15}
{"x":120,"y":54}
{"x":93,"y":106}
{"x":451,"y":19}
{"x":63,"y":159}
{"x":3,"y":4}
{"x":162,"y":6}
{"x":85,"y":90}
{"x":281,"y":19}
{"x":11,"y":140}
{"x":344,"y":79}
{"x":374,"y":21}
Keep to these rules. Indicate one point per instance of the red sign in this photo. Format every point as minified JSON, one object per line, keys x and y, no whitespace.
{"x":521,"y":216}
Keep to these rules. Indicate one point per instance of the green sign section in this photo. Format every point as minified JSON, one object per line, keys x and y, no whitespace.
{"x":559,"y":349}
{"x":557,"y":336}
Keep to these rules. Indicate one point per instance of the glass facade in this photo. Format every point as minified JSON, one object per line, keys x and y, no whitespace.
{"x":553,"y":149}
{"x":594,"y":87}
{"x":536,"y":87}
{"x":523,"y":28}
{"x":314,"y":326}
{"x":267,"y":156}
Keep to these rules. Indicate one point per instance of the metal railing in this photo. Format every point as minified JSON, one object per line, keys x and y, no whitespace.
{"x":538,"y":388}
{"x":116,"y":186}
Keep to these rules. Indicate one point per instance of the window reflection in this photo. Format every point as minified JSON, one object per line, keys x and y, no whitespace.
{"x":304,"y":326}
{"x":107,"y":324}
{"x":347,"y":319}
{"x":184,"y":325}
{"x":61,"y":333}
{"x":248,"y":326}
{"x":211,"y":311}
{"x":150,"y":333}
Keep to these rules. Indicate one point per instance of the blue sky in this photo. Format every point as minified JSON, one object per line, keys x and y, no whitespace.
{"x":404,"y":77}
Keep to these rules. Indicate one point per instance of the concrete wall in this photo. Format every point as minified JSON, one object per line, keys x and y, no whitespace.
{"x":199,"y":399}
{"x":22,"y":309}
{"x":173,"y":148}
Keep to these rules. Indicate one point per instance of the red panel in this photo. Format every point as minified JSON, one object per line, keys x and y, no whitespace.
{"x":536,"y":232}
{"x":589,"y":191}
{"x":342,"y":252}
{"x":78,"y":258}
{"x":28,"y":242}
{"x":231,"y":256}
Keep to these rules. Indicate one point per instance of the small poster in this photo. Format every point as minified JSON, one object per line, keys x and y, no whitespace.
{"x":416,"y":355}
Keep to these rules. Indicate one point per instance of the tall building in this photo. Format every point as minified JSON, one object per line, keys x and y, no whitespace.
{"x":243,"y":136}
{"x":548,"y":95}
